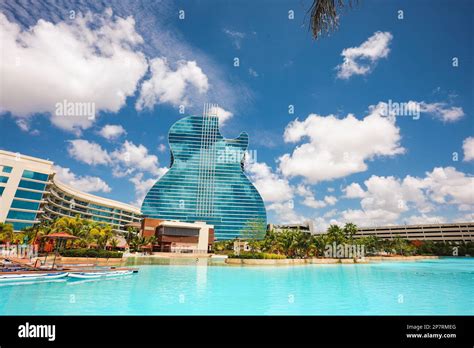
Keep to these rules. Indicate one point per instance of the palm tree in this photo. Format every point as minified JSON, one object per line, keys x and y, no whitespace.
{"x":6,"y":232}
{"x":325,"y":16}
{"x":336,"y":234}
{"x":101,"y":234}
{"x":350,"y":230}
{"x":113,"y":243}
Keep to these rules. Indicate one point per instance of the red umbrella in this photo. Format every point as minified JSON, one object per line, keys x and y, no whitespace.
{"x":60,"y":235}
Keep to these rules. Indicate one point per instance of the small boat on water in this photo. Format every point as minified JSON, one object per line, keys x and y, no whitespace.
{"x":98,"y":275}
{"x":30,"y":276}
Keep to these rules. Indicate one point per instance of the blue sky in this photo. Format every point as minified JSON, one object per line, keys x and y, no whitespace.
{"x":138,"y":62}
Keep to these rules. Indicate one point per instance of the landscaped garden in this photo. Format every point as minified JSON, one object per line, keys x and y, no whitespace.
{"x":296,"y":244}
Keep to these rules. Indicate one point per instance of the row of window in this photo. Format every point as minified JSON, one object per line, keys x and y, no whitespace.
{"x":28,"y":195}
{"x":78,"y":203}
{"x":21,"y":215}
{"x":28,"y":174}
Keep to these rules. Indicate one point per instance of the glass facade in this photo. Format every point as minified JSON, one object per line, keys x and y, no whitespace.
{"x":35,"y":176}
{"x":61,"y":203}
{"x":25,"y":206}
{"x":29,"y":194}
{"x":206,"y":181}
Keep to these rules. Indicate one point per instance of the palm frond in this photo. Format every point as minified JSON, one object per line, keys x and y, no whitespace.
{"x":325,"y":17}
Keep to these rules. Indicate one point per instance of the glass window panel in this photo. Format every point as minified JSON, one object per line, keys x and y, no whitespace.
{"x":34,"y":175}
{"x":13,"y":214}
{"x":28,"y":195}
{"x":31,"y":185}
{"x":24,"y":205}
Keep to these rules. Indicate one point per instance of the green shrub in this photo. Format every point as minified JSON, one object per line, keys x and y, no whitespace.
{"x":91,"y":253}
{"x":256,"y":255}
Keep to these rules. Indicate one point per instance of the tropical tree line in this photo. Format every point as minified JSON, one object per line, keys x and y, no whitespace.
{"x":91,"y":234}
{"x":297,"y":244}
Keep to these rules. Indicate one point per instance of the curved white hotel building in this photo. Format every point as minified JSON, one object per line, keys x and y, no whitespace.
{"x":30,"y":193}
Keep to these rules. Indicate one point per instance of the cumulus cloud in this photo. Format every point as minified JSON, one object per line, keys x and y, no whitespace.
{"x":385,"y":199}
{"x":111,"y":131}
{"x":168,"y":85}
{"x":361,"y":60}
{"x":362,"y":218}
{"x":88,"y":152}
{"x":338,"y":147}
{"x":468,"y":148}
{"x":285,"y":212}
{"x":50,"y":63}
{"x":142,"y":186}
{"x":353,"y":191}
{"x":83,"y":183}
{"x":222,"y":114}
{"x":310,"y":200}
{"x":272,"y":187}
{"x":125,"y":160}
{"x":425,"y":219}
{"x":136,"y":157}
{"x":449,"y":186}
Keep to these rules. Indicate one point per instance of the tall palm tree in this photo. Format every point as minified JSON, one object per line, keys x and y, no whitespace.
{"x":350,"y":230}
{"x":325,"y":16}
{"x":336,"y":234}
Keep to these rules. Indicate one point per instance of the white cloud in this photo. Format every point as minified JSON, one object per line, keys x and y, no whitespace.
{"x":24,"y":125}
{"x":330,"y":200}
{"x":271,"y":186}
{"x":136,"y":157}
{"x":285,"y":213}
{"x":361,"y":60}
{"x":222,"y":114}
{"x":310,"y":200}
{"x":125,"y":160}
{"x":82,"y":183}
{"x":338,"y":147}
{"x":448,"y":186}
{"x":387,"y":198}
{"x":468,"y":148}
{"x":363,"y":218}
{"x":321,"y":224}
{"x":425,"y":219}
{"x":64,"y":60}
{"x":88,"y":152}
{"x":111,"y":131}
{"x":394,"y":195}
{"x":171,"y":86}
{"x":353,"y":191}
{"x":442,"y":111}
{"x":236,"y":37}
{"x":142,"y":186}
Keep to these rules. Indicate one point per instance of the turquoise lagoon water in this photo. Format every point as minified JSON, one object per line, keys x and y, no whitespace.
{"x":436,"y":287}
